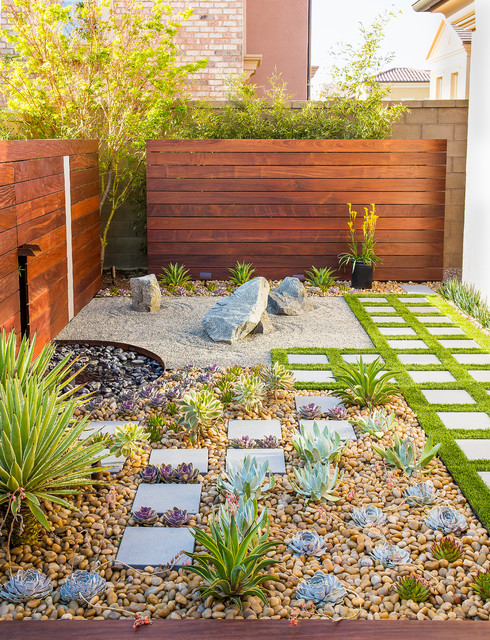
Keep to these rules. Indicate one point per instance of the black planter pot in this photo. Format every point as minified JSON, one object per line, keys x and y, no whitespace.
{"x":362,"y":276}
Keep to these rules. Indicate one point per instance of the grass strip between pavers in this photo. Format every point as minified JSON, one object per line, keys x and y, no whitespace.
{"x":464,"y":471}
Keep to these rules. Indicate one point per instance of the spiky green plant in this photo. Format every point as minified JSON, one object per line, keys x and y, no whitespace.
{"x":174,"y":276}
{"x":447,"y":549}
{"x":322,"y":278}
{"x":198,"y":411}
{"x":128,"y":440}
{"x":377,"y":424}
{"x":363,"y":383}
{"x":316,"y":444}
{"x":232,"y":564}
{"x":241,"y":273}
{"x":246,"y":514}
{"x":249,"y":391}
{"x":412,"y":588}
{"x":157,"y":420}
{"x":481,"y":584}
{"x":247,"y":479}
{"x":317,"y":482}
{"x":468,"y":299}
{"x":276,"y":378}
{"x":404,"y":455}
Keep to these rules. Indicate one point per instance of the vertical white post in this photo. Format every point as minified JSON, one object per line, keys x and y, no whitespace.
{"x":69,"y":246}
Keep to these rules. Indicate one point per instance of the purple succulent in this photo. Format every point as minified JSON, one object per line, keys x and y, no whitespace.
{"x":180,"y":291}
{"x":213,"y":368}
{"x":269,"y":442}
{"x":181,"y":474}
{"x":204,"y":378}
{"x":95,"y":403}
{"x":128,"y":406}
{"x":220,"y":291}
{"x":337,"y":413}
{"x":243,"y":442}
{"x":150,"y":474}
{"x":158,"y":399}
{"x":147,"y":392}
{"x":310,"y":411}
{"x":176,"y":517}
{"x":145,"y":516}
{"x":174,"y":394}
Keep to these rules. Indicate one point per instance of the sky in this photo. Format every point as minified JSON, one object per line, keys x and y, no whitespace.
{"x":408,"y":35}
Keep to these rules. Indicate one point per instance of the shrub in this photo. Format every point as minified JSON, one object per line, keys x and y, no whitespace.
{"x":322,"y":278}
{"x":468,"y":299}
{"x":363,"y":383}
{"x":241,"y":273}
{"x":174,"y":276}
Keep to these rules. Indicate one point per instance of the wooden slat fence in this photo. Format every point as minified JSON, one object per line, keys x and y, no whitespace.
{"x":281,"y":204}
{"x":33,"y":175}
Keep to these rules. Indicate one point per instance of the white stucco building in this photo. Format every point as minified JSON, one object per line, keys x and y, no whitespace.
{"x":449,"y":62}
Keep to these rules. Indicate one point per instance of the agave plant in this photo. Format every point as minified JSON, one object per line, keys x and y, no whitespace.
{"x":145,"y":516}
{"x":317,"y":482}
{"x":249,"y":391}
{"x":322,"y":278}
{"x":176,"y":517}
{"x":404,"y":455}
{"x":321,"y":588}
{"x":364,"y":384}
{"x":421,"y":494}
{"x":174,"y":276}
{"x":308,"y":543}
{"x":82,"y":586}
{"x":26,"y":585}
{"x":481,"y":584}
{"x":247,"y":479}
{"x":377,"y":424}
{"x":232,"y":564}
{"x":310,"y":411}
{"x":390,"y":555}
{"x":246,"y":515}
{"x":447,"y":549}
{"x":412,"y":588}
{"x":198,"y":411}
{"x":317,"y":444}
{"x":368,"y":516}
{"x":277,"y":378}
{"x":184,"y":473}
{"x":128,"y":440}
{"x":150,"y":474}
{"x":241,"y":273}
{"x":446,"y":519}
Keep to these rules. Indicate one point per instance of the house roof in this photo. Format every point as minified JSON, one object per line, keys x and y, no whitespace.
{"x":464,"y":36}
{"x":404,"y":74}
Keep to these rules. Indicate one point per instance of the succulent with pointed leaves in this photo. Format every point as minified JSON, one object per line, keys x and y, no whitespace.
{"x":145,"y":516}
{"x":82,"y":586}
{"x":310,"y":411}
{"x":447,"y":549}
{"x":198,"y":411}
{"x":249,"y":391}
{"x":267,"y":442}
{"x":176,"y":517}
{"x":316,"y":444}
{"x":128,"y":440}
{"x":147,"y":392}
{"x":321,"y":588}
{"x":317,"y":482}
{"x":182,"y":474}
{"x":481,"y":584}
{"x":26,"y":585}
{"x":247,"y":479}
{"x":412,"y":588}
{"x":243,"y":442}
{"x":308,"y":543}
{"x":337,"y":413}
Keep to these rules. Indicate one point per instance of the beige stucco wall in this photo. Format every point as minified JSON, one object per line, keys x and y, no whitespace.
{"x":409,"y":91}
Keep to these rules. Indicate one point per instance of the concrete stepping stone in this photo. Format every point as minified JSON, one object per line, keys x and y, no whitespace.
{"x":366,"y":357}
{"x":482,"y":375}
{"x":472,"y":358}
{"x":306,"y":375}
{"x":154,"y":546}
{"x":324,"y":402}
{"x":342,"y":427}
{"x":447,"y":396}
{"x":309,"y":358}
{"x":373,"y":300}
{"x":198,"y":457}
{"x":380,"y":309}
{"x":275,"y":458}
{"x":163,"y":497}
{"x":255,"y":429}
{"x":440,"y":319}
{"x":431,"y":376}
{"x":407,"y":344}
{"x":465,"y":419}
{"x":485,"y":476}
{"x":428,"y":309}
{"x":446,"y":331}
{"x":115,"y":463}
{"x":418,"y":358}
{"x":459,"y":344}
{"x":397,"y":331}
{"x":105,"y":426}
{"x":388,"y":319}
{"x":474,"y":448}
{"x":417,"y":300}
{"x":417,"y":288}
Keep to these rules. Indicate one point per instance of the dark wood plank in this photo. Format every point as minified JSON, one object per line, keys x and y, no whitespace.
{"x":37,"y":266}
{"x":7,"y":196}
{"x":31,"y":189}
{"x":50,"y":297}
{"x":9,"y":307}
{"x":8,"y":240}
{"x":84,"y":161}
{"x":79,"y":194}
{"x":15,"y":150}
{"x":84,"y":176}
{"x":31,"y":231}
{"x":51,"y":322}
{"x":40,"y":168}
{"x":86,"y":236}
{"x":88,"y":221}
{"x":8,"y":263}
{"x":85,"y":206}
{"x":37,"y":207}
{"x":40,"y":284}
{"x":7,"y":174}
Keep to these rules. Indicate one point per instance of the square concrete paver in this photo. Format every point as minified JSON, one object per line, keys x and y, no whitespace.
{"x":275,"y":458}
{"x":198,"y":457}
{"x":108,"y":426}
{"x":481,"y":375}
{"x":324,"y":402}
{"x":396,"y":331}
{"x":309,"y":358}
{"x":428,"y":319}
{"x":407,"y":344}
{"x":446,"y":331}
{"x":460,"y":344}
{"x":465,"y":419}
{"x":417,"y":288}
{"x":418,"y":358}
{"x":366,"y":357}
{"x":380,"y":309}
{"x":472,"y":358}
{"x":153,"y":546}
{"x":163,"y":497}
{"x":474,"y":448}
{"x":417,"y":300}
{"x":254,"y":429}
{"x":306,"y":375}
{"x":392,"y":319}
{"x":373,"y":300}
{"x":115,"y":463}
{"x":431,"y":376}
{"x":342,"y":427}
{"x":447,"y":396}
{"x":485,"y":476}
{"x":427,"y":309}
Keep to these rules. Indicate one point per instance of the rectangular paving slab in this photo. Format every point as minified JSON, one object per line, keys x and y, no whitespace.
{"x":392,"y":319}
{"x":366,"y":357}
{"x":407,"y":344}
{"x":417,"y":300}
{"x":380,"y":309}
{"x":312,"y":376}
{"x":427,"y":309}
{"x":275,"y":458}
{"x":372,"y":300}
{"x":115,"y":463}
{"x":481,"y":375}
{"x":474,"y":448}
{"x":446,"y":331}
{"x":397,"y":331}
{"x":163,"y":497}
{"x":428,"y":319}
{"x":417,"y":288}
{"x":309,"y":358}
{"x":342,"y":427}
{"x":324,"y":402}
{"x":465,"y":419}
{"x":418,"y":358}
{"x":447,"y":396}
{"x":154,"y":546}
{"x":472,"y":358}
{"x":108,"y":426}
{"x":254,"y":429}
{"x":198,"y":457}
{"x":431,"y":376}
{"x":485,"y":476}
{"x":460,"y":344}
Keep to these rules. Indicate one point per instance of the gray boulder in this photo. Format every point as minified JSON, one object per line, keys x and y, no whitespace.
{"x":233,"y":318}
{"x":289,"y":299}
{"x":145,"y":293}
{"x":265,"y":325}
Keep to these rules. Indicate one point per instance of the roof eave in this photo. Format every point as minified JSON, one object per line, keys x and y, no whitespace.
{"x":425,"y":5}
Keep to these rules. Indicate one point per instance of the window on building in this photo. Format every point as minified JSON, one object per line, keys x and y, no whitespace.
{"x":454,"y":85}
{"x":438,"y":87}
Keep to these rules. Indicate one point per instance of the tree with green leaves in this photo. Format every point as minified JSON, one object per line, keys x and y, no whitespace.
{"x":105,"y":69}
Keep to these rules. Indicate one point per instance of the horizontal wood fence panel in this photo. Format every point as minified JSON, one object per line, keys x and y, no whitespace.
{"x":32,"y":211}
{"x":282,"y":204}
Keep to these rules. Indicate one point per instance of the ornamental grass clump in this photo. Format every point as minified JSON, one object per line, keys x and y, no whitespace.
{"x":174,"y":276}
{"x":364,"y":250}
{"x":241,"y":274}
{"x":364,"y":384}
{"x":468,"y":299}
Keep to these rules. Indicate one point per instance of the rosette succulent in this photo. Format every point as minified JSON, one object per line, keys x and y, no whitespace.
{"x":268,"y":442}
{"x":310,"y":411}
{"x":249,"y":391}
{"x":368,"y":516}
{"x":276,"y":378}
{"x":198,"y":412}
{"x":405,"y":456}
{"x":182,"y":474}
{"x":316,"y":444}
{"x":317,"y":482}
{"x":26,"y":585}
{"x":308,"y":543}
{"x":243,"y":442}
{"x":147,"y":392}
{"x":81,"y":586}
{"x":145,"y":516}
{"x":176,"y":517}
{"x":321,"y":588}
{"x":247,"y":479}
{"x":390,"y":555}
{"x":412,"y":588}
{"x":150,"y":474}
{"x":337,"y":413}
{"x":446,"y":519}
{"x":447,"y":549}
{"x":158,"y":399}
{"x":421,"y":494}
{"x":128,"y":440}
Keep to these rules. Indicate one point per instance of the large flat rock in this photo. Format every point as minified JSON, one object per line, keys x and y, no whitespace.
{"x":289,"y":299}
{"x":154,"y":546}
